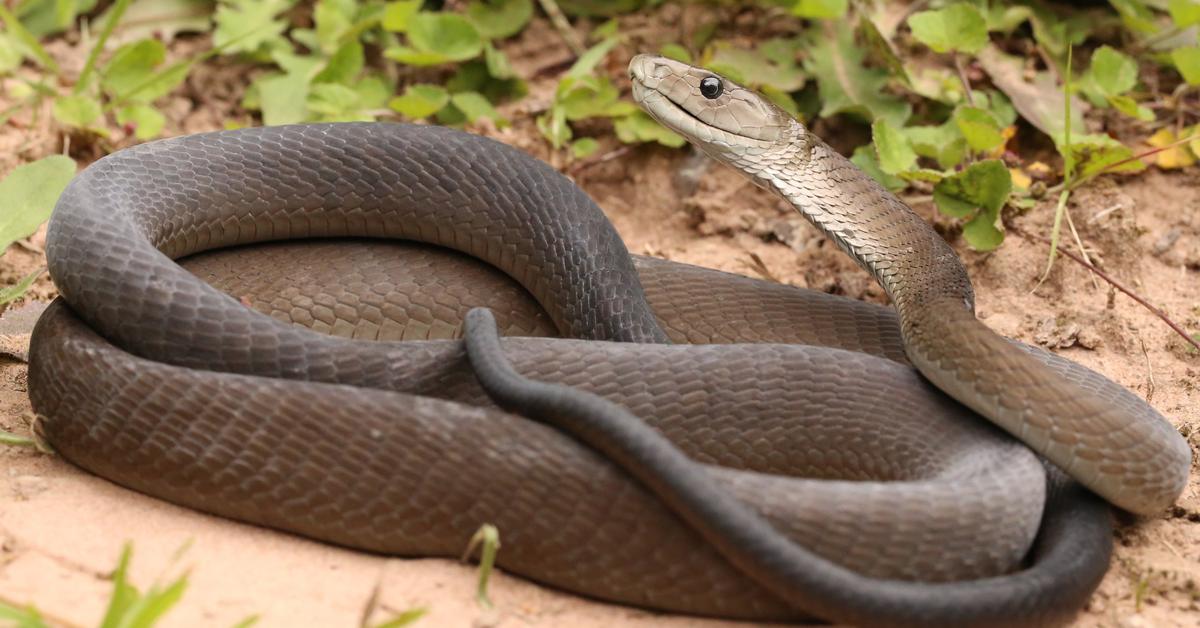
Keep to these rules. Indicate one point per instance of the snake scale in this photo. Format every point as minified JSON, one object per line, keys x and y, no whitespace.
{"x":703,"y":443}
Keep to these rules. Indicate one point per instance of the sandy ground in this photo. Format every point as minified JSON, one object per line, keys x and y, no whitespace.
{"x":61,"y":530}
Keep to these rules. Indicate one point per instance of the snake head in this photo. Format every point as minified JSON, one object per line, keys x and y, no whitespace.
{"x":727,"y":121}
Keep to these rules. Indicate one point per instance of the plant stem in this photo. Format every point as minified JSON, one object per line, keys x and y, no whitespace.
{"x":562,"y":26}
{"x":1068,"y":170}
{"x":1116,"y":284}
{"x":89,"y":66}
{"x":1117,"y":164}
{"x":962,"y":76}
{"x":1078,"y":242}
{"x":18,"y":30}
{"x":8,"y":438}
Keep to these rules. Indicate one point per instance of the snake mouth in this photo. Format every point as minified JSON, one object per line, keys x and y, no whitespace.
{"x":669,"y":113}
{"x":659,"y":104}
{"x":669,"y":91}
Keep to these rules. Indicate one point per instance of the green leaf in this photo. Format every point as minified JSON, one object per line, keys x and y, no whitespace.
{"x":248,"y":25}
{"x":1136,"y":15}
{"x":999,"y":105}
{"x":584,"y":147}
{"x":864,"y":157}
{"x":554,"y":127}
{"x":1187,"y":61}
{"x":1131,"y":108}
{"x":1096,"y":152}
{"x":923,"y":175}
{"x":497,"y":62}
{"x":936,"y":83}
{"x":403,"y":619}
{"x":283,"y":98}
{"x":414,"y":57}
{"x":605,"y":30}
{"x":639,"y":127}
{"x":591,"y":57}
{"x":1114,"y":73}
{"x":892,"y":147}
{"x":149,"y":608}
{"x":8,"y":294}
{"x":1006,"y":19}
{"x":333,"y":19}
{"x":131,"y":65}
{"x":48,"y":17}
{"x":845,"y":85}
{"x":958,"y":27}
{"x":676,"y":52}
{"x":474,"y":76}
{"x":146,"y":120}
{"x":420,"y":101}
{"x":373,"y":92}
{"x":943,"y":143}
{"x":11,"y":54}
{"x":20,"y":617}
{"x":1184,"y":13}
{"x":124,"y":595}
{"x":881,"y":51}
{"x":335,"y":102}
{"x":497,"y":19}
{"x":474,"y":106}
{"x":396,"y":15}
{"x":27,"y":40}
{"x":590,"y":97}
{"x":981,"y":232}
{"x":77,"y":111}
{"x":820,"y":9}
{"x":344,"y":65}
{"x":133,"y":74}
{"x":979,"y":128}
{"x":982,"y":185}
{"x":162,"y":82}
{"x":450,"y":35}
{"x":30,"y":192}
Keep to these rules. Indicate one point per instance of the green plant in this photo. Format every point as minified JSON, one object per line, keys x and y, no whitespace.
{"x":582,"y":94}
{"x":32,"y":190}
{"x":127,"y":607}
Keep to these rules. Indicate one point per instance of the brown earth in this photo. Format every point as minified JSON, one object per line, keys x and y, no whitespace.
{"x":61,"y":530}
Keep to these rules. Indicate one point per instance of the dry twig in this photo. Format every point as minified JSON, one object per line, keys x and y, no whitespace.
{"x":1114,"y":283}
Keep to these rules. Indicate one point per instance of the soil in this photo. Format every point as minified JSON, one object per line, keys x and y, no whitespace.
{"x":62,"y":530}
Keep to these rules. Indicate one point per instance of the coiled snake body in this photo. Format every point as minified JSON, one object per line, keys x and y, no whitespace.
{"x":912,"y":510}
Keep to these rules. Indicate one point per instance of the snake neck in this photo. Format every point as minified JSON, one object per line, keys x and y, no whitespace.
{"x":880,"y":232}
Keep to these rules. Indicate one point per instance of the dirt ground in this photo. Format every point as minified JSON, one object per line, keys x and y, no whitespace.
{"x":61,"y":530}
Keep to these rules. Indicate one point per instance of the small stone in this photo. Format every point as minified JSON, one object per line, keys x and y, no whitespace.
{"x":1054,"y":336}
{"x":1089,"y":339}
{"x":1167,"y":240}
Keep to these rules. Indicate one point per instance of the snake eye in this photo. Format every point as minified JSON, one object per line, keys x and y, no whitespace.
{"x":711,"y":87}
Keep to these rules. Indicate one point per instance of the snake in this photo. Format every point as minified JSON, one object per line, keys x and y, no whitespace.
{"x":281,"y":325}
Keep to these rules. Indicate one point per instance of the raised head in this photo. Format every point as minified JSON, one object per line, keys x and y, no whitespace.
{"x":721,"y":117}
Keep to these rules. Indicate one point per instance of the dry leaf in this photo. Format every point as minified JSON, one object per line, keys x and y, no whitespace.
{"x":1174,"y":157}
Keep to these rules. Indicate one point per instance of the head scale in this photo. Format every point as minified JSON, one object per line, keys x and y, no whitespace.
{"x":723,"y":118}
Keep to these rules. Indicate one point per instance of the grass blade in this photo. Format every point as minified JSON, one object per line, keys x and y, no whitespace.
{"x":27,"y":39}
{"x":90,"y":65}
{"x":1068,"y":170}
